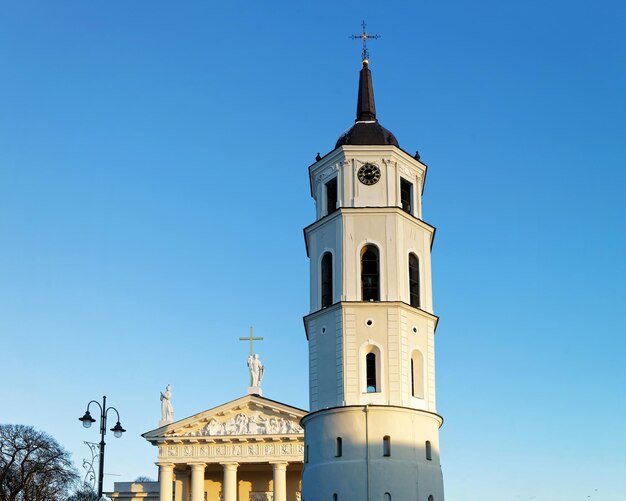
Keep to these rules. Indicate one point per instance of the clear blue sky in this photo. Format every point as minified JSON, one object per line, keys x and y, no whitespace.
{"x":153,"y":191}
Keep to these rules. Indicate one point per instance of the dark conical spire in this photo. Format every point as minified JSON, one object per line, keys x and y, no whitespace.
{"x":366,"y":129}
{"x":365,"y":107}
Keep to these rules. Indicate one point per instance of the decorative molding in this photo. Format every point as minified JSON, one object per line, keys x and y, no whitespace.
{"x":404,"y":170}
{"x":362,"y":162}
{"x":410,"y":173}
{"x":328,"y":172}
{"x":290,"y":451}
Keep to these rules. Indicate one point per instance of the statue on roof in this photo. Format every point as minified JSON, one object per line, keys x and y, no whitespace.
{"x":256,"y":370}
{"x":167,"y":411}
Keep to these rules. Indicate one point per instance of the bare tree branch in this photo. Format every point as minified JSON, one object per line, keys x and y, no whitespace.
{"x":33,"y":466}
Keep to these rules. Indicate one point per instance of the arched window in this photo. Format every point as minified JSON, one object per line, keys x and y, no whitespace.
{"x":414,"y":280}
{"x":370,"y":371}
{"x":387,"y":446}
{"x":387,"y":497}
{"x":370,"y":274}
{"x":338,"y":448}
{"x":327,"y":279}
{"x":335,"y":497}
{"x":429,"y":451}
{"x":431,"y":498}
{"x":417,"y":374}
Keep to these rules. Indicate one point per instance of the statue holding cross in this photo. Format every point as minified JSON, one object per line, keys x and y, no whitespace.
{"x":254,"y":365}
{"x":256,"y":370}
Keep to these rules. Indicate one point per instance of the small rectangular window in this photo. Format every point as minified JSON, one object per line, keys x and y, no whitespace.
{"x":331,"y":196}
{"x":339,"y":448}
{"x":386,"y":446}
{"x":429,"y":451}
{"x":406,"y":196}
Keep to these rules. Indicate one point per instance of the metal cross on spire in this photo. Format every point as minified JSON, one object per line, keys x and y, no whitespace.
{"x":365,"y":36}
{"x":251,"y":339}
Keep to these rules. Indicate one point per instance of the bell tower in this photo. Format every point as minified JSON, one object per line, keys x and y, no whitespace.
{"x":373,"y":430}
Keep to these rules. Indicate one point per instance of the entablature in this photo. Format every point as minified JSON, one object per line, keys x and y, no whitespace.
{"x":255,"y":452}
{"x":367,"y":211}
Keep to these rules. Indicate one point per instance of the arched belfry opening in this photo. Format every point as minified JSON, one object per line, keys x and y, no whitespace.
{"x":370,"y":273}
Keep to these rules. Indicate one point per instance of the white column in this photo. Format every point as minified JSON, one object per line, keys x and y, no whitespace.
{"x":166,"y":477}
{"x":280,"y":481}
{"x":229,"y":485}
{"x":197,"y":481}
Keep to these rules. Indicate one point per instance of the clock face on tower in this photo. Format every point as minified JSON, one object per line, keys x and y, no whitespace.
{"x":369,"y":174}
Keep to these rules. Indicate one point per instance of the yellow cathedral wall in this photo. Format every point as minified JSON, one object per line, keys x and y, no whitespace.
{"x":253,"y":481}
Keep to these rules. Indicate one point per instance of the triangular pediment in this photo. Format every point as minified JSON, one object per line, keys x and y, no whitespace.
{"x":246,"y":417}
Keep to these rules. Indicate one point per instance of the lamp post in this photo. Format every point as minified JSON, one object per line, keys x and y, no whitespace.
{"x":117,"y":430}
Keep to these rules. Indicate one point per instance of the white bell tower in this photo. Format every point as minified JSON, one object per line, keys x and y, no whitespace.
{"x":373,"y":430}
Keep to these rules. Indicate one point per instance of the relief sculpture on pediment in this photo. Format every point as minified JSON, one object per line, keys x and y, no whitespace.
{"x":253,"y":424}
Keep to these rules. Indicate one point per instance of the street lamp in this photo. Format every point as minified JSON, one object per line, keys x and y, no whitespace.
{"x":117,"y":430}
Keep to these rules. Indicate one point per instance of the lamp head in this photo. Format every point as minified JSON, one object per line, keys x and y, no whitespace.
{"x":117,"y":430}
{"x":87,"y":419}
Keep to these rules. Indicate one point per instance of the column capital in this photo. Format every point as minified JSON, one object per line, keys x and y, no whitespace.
{"x":165,"y":465}
{"x":230,"y":465}
{"x":197,"y":466}
{"x":279,"y":465}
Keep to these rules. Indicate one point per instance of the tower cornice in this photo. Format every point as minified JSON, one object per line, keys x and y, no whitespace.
{"x":368,"y":210}
{"x":375,"y":304}
{"x":372,"y":407}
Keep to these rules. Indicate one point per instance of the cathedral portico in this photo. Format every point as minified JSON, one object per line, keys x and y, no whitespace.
{"x":248,"y":449}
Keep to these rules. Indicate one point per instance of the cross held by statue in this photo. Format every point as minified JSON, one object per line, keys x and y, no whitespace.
{"x":251,"y":339}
